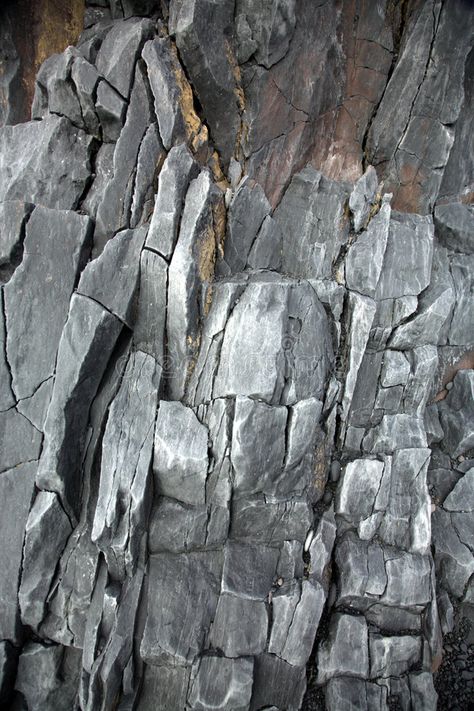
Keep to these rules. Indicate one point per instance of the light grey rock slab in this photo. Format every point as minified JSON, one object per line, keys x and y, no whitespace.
{"x":407,"y":264}
{"x":183,"y":604}
{"x":8,"y":668}
{"x":346,"y":649}
{"x":21,"y":442}
{"x":365,"y":394}
{"x":33,"y":168}
{"x":290,"y":563}
{"x":395,"y":432}
{"x":119,"y":264}
{"x":247,"y":210}
{"x":393,"y":656}
{"x":454,"y":561}
{"x":249,"y":569}
{"x":115,"y":194}
{"x":13,"y":215}
{"x":408,"y":580}
{"x":393,"y":619}
{"x":120,"y":50}
{"x":311,"y":209}
{"x":221,"y":684}
{"x":395,"y":369}
{"x":191,"y":266}
{"x":462,"y":323}
{"x":461,"y":497}
{"x":163,"y":688}
{"x":47,"y":676}
{"x":180,"y":462}
{"x":85,"y":78}
{"x":37,"y":296}
{"x":178,"y":170}
{"x":322,"y":544}
{"x":266,"y":250}
{"x":87,"y":342}
{"x":257,"y":520}
{"x":177,"y":528}
{"x":201,"y":30}
{"x":454,"y":224}
{"x":278,"y":683}
{"x":124,"y":491}
{"x":239,"y":627}
{"x":35,"y":408}
{"x":47,"y":522}
{"x":110,"y":108}
{"x":258,"y":447}
{"x":264,"y":30}
{"x":54,"y":90}
{"x":303,"y":420}
{"x":295,"y":621}
{"x":358,"y":488}
{"x":364,"y":261}
{"x":422,"y":691}
{"x":149,"y":324}
{"x":103,"y":173}
{"x":363,"y":197}
{"x":177,"y":121}
{"x":456,"y":414}
{"x":16,"y":492}
{"x":348,"y":693}
{"x":419,"y":388}
{"x":150,"y":158}
{"x":425,"y":327}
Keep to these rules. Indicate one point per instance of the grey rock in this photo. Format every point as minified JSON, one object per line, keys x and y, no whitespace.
{"x":249,"y":570}
{"x":393,"y":656}
{"x":264,"y":30}
{"x":434,"y":309}
{"x":346,"y":650}
{"x":150,"y":158}
{"x":454,"y":560}
{"x":85,"y":78}
{"x":296,"y":615}
{"x":312,"y":208}
{"x":178,"y":170}
{"x":365,"y":258}
{"x":321,"y":547}
{"x":456,"y":414}
{"x":358,"y":488}
{"x":393,"y":619}
{"x":348,"y":693}
{"x":395,"y":432}
{"x":47,"y":676}
{"x":119,"y":264}
{"x":266,"y":250}
{"x":47,"y":521}
{"x":37,"y":296}
{"x":103,"y":173}
{"x":177,"y":528}
{"x":419,"y":388}
{"x":276,"y":682}
{"x":364,"y":396}
{"x":124,"y":490}
{"x":149,"y":326}
{"x":454,"y":225}
{"x":163,"y":688}
{"x":462,"y":322}
{"x":407,"y":264}
{"x":88,"y":339}
{"x":35,"y":408}
{"x":303,"y":419}
{"x":8,"y":661}
{"x":180,"y":462}
{"x":201,"y":29}
{"x":110,"y":108}
{"x":246,"y":213}
{"x":239,"y":627}
{"x":363,"y":197}
{"x":221,"y":684}
{"x":256,"y":520}
{"x":191,"y":266}
{"x":13,"y":215}
{"x":462,"y":496}
{"x":179,"y":613}
{"x":54,"y":90}
{"x":33,"y":168}
{"x":422,"y":691}
{"x":16,"y":491}
{"x":177,"y":120}
{"x":21,"y":442}
{"x":395,"y":369}
{"x":119,"y":52}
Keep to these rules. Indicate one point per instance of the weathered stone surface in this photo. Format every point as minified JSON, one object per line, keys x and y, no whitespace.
{"x":321,"y":547}
{"x":163,"y":688}
{"x":37,"y":296}
{"x":110,"y":107}
{"x":462,"y":323}
{"x":454,"y":560}
{"x":347,"y":693}
{"x":86,"y":77}
{"x":33,"y":168}
{"x":13,"y":215}
{"x":150,"y":158}
{"x":249,"y":569}
{"x":395,"y":369}
{"x":180,"y":462}
{"x":119,"y":52}
{"x":179,"y":613}
{"x":88,"y":339}
{"x":239,"y":627}
{"x":454,"y":225}
{"x":434,"y":309}
{"x":16,"y":492}
{"x":21,"y":442}
{"x":47,"y":521}
{"x":456,"y":413}
{"x":365,"y":258}
{"x":124,"y":491}
{"x":221,"y":684}
{"x":396,"y":432}
{"x":54,"y":90}
{"x":461,"y":497}
{"x":275,"y":681}
{"x":346,"y":650}
{"x":177,"y":528}
{"x":266,"y":251}
{"x":149,"y":325}
{"x":256,"y":520}
{"x":47,"y":676}
{"x":393,"y":656}
{"x":363,"y":198}
{"x":264,"y":30}
{"x":119,"y":263}
{"x":8,"y":660}
{"x":178,"y":170}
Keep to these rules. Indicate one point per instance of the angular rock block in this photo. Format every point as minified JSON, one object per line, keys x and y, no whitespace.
{"x":221,"y":684}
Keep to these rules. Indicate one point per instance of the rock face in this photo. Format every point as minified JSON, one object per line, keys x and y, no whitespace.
{"x":236,"y":359}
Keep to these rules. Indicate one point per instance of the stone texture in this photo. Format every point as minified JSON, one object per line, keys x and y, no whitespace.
{"x":221,"y":684}
{"x":346,"y":649}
